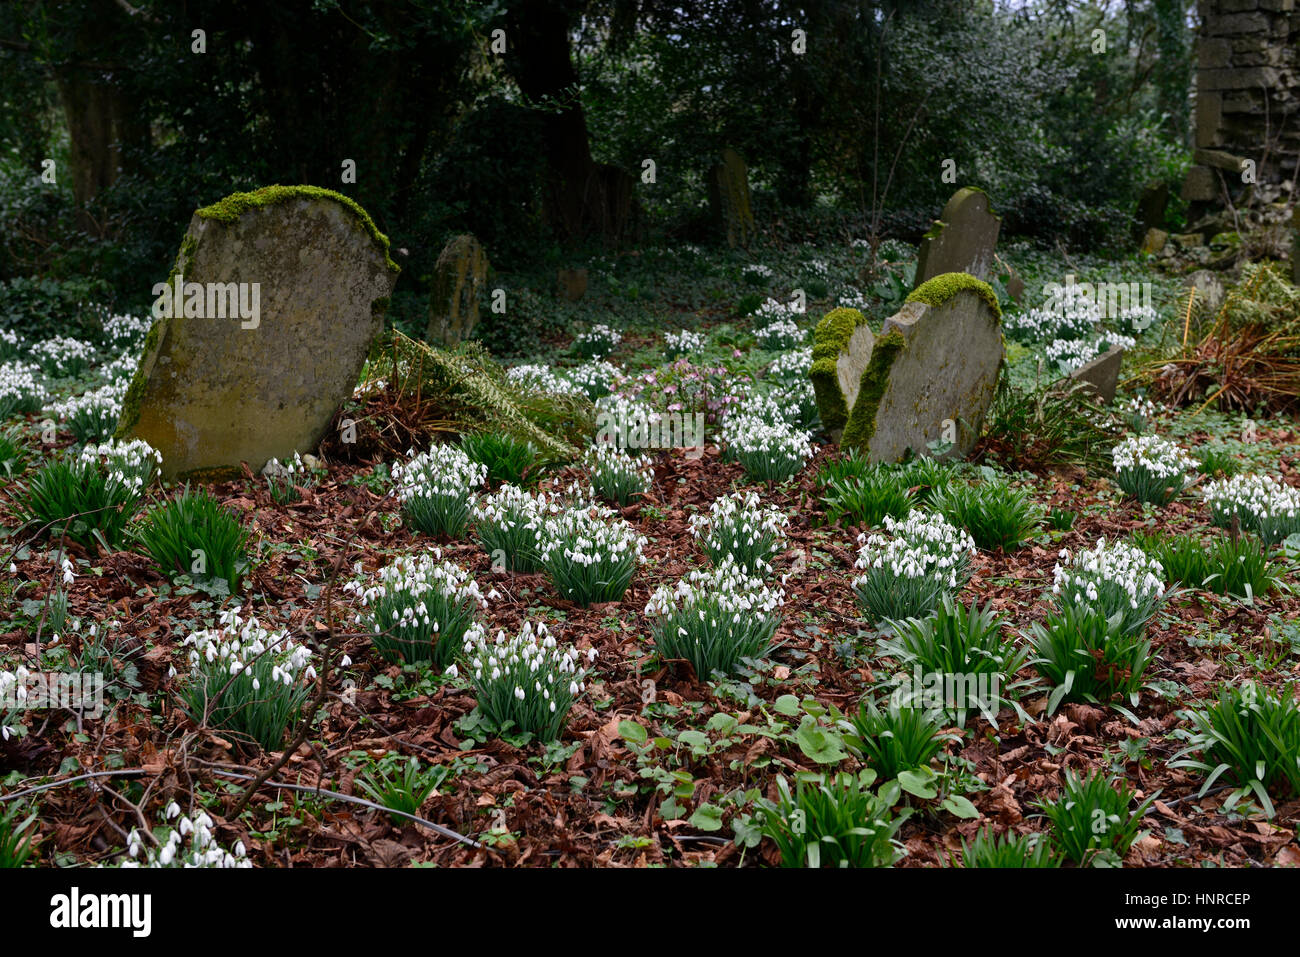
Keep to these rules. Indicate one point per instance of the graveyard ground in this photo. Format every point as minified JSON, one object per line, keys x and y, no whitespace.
{"x":655,"y":766}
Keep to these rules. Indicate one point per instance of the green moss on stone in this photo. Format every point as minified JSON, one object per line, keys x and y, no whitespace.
{"x":229,"y":210}
{"x":935,"y":292}
{"x":830,"y":338}
{"x":861,"y":426}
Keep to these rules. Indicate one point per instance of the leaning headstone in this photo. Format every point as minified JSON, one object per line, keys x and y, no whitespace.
{"x":842,"y":344}
{"x":962,"y":240}
{"x":459,"y":281}
{"x":262,"y":330}
{"x":932,"y":372}
{"x":729,"y":198}
{"x":1102,"y":373}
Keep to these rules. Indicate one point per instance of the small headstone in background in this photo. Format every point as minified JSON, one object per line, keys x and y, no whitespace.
{"x":1150,"y":210}
{"x":212,"y":392}
{"x":459,"y":281}
{"x":932,"y":374}
{"x":962,"y":240}
{"x":572,"y":284}
{"x":1102,"y":373}
{"x":729,"y":198}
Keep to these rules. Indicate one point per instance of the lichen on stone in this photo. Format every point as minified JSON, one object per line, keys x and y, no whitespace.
{"x":149,"y":351}
{"x":229,"y":210}
{"x":935,"y":292}
{"x":861,"y":424}
{"x":830,"y":338}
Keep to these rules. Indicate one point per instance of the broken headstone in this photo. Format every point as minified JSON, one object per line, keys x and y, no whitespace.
{"x":932,"y":372}
{"x":1101,"y":374}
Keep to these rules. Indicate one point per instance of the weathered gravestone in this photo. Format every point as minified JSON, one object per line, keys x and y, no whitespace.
{"x":1101,"y":374}
{"x":842,"y":344}
{"x":212,"y":391}
{"x":931,"y":373}
{"x":962,"y":240}
{"x":1150,"y":210}
{"x":459,"y":280}
{"x":729,"y":198}
{"x":571,"y":284}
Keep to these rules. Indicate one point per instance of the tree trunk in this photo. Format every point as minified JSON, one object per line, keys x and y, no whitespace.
{"x":581,"y":198}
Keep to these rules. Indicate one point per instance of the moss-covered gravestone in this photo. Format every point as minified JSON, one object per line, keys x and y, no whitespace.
{"x":729,"y":198}
{"x":459,"y":281}
{"x":260,"y":332}
{"x":963,"y":239}
{"x":842,"y":345}
{"x":931,"y":374}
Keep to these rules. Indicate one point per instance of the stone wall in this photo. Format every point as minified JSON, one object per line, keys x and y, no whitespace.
{"x":1247,"y":99}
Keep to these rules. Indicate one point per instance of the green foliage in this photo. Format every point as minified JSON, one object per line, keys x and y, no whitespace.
{"x":995,"y":515}
{"x":13,"y":452}
{"x":194,"y":534}
{"x":833,"y":821}
{"x":1039,"y":431}
{"x":1227,"y":566}
{"x":43,"y":308}
{"x":1089,"y":657}
{"x":78,"y":499}
{"x":896,"y":738}
{"x":1091,"y":820}
{"x":1250,"y":734}
{"x":1007,"y":850}
{"x":867,"y":499}
{"x":1218,"y":463}
{"x":961,"y":642}
{"x":17,"y":837}
{"x":402,"y":785}
{"x":926,"y":477}
{"x":748,"y":304}
{"x":707,"y":630}
{"x":1061,"y":519}
{"x":507,"y":458}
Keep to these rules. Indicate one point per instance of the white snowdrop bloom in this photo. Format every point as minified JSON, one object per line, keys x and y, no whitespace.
{"x":599,"y":340}
{"x":1160,"y":457}
{"x":21,"y":386}
{"x":683,"y":343}
{"x":1260,"y":503}
{"x":537,"y":378}
{"x":444,"y":471}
